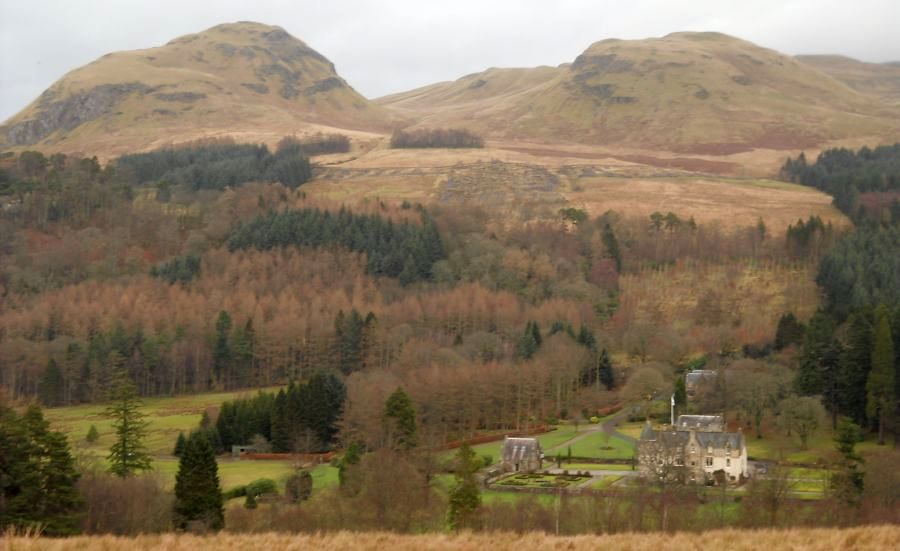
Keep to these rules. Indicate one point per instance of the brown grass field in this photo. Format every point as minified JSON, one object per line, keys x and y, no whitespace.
{"x":830,"y":539}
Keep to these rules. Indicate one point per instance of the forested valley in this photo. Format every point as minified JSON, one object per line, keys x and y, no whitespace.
{"x":385,"y":330}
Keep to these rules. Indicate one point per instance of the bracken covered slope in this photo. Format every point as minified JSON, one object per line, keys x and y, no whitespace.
{"x":869,"y":538}
{"x":232,"y":78}
{"x":704,"y":93}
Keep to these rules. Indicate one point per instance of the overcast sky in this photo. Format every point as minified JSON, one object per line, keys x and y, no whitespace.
{"x":385,"y":46}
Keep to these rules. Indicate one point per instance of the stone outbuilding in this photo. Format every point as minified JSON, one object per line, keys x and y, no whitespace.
{"x":522,"y":455}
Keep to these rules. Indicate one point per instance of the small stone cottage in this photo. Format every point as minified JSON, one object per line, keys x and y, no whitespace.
{"x":522,"y":455}
{"x":697,"y":379}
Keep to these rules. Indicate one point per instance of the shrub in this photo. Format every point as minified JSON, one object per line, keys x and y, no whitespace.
{"x":262,"y":486}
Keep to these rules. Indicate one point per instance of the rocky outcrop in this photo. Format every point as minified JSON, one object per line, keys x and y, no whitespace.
{"x":68,"y":113}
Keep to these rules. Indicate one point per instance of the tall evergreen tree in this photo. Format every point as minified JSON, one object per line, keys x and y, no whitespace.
{"x":606,"y":372}
{"x":222,"y":349}
{"x":400,"y":420}
{"x":465,"y":498}
{"x":37,"y":475}
{"x":680,"y":395}
{"x":848,"y":481}
{"x":816,"y":342}
{"x":281,"y":440}
{"x":52,"y":385}
{"x":180,"y":443}
{"x":127,"y":454}
{"x":856,"y":363}
{"x":529,"y":342}
{"x":789,"y":331}
{"x":198,"y":497}
{"x":612,"y":246}
{"x":880,"y":387}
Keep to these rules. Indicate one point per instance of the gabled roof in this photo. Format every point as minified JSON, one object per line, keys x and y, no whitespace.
{"x":721,"y":440}
{"x":699,"y":375}
{"x":716,"y":440}
{"x":700,"y":422}
{"x":516,"y":449}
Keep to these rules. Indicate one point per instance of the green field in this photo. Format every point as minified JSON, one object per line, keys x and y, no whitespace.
{"x":166,"y":417}
{"x":820,"y":448}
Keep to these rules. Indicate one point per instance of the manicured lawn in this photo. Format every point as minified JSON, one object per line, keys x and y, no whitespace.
{"x":593,"y":444}
{"x":812,"y":474}
{"x":558,"y":437}
{"x":631,"y":429}
{"x":605,"y":482}
{"x":593,"y":466}
{"x":808,"y":486}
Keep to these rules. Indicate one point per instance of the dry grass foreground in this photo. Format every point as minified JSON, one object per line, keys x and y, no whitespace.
{"x":861,"y":538}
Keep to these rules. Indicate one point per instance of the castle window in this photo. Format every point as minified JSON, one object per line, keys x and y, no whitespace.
{"x":728,"y":462}
{"x":709,"y":461}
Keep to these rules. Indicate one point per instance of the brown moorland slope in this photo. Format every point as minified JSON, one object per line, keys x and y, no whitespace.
{"x":870,"y":538}
{"x":698,"y":93}
{"x":247,"y":80}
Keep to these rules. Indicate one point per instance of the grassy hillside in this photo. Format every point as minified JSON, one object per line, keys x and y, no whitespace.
{"x":881,"y":80}
{"x":689,"y":92}
{"x":861,"y":539}
{"x":233,"y":79}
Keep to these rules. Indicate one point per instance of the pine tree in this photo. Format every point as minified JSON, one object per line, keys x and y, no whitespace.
{"x":400,"y":420}
{"x":198,"y":496}
{"x":465,"y":498}
{"x":243,"y":353}
{"x":351,"y":457}
{"x":222,"y":349}
{"x":606,"y":373}
{"x":880,"y":388}
{"x":817,"y":340}
{"x":848,"y":481}
{"x":789,"y":331}
{"x":127,"y":454}
{"x":856,"y":363}
{"x":680,"y":395}
{"x":281,"y":441}
{"x":52,"y":385}
{"x":529,"y":342}
{"x":37,"y":475}
{"x":180,"y":442}
{"x":92,"y":435}
{"x":612,"y":246}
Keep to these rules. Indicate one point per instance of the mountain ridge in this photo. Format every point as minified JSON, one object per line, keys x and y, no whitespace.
{"x":217,"y":80}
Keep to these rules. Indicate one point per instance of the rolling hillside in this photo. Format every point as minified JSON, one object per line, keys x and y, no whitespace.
{"x":699,"y":93}
{"x":244,"y":79}
{"x":881,"y":80}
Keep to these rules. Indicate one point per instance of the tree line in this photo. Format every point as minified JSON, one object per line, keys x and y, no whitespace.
{"x":404,"y":251}
{"x":863,"y":183}
{"x":436,"y":137}
{"x":216,"y":165}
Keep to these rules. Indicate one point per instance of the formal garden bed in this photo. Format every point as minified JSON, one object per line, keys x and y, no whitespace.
{"x":539,"y":480}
